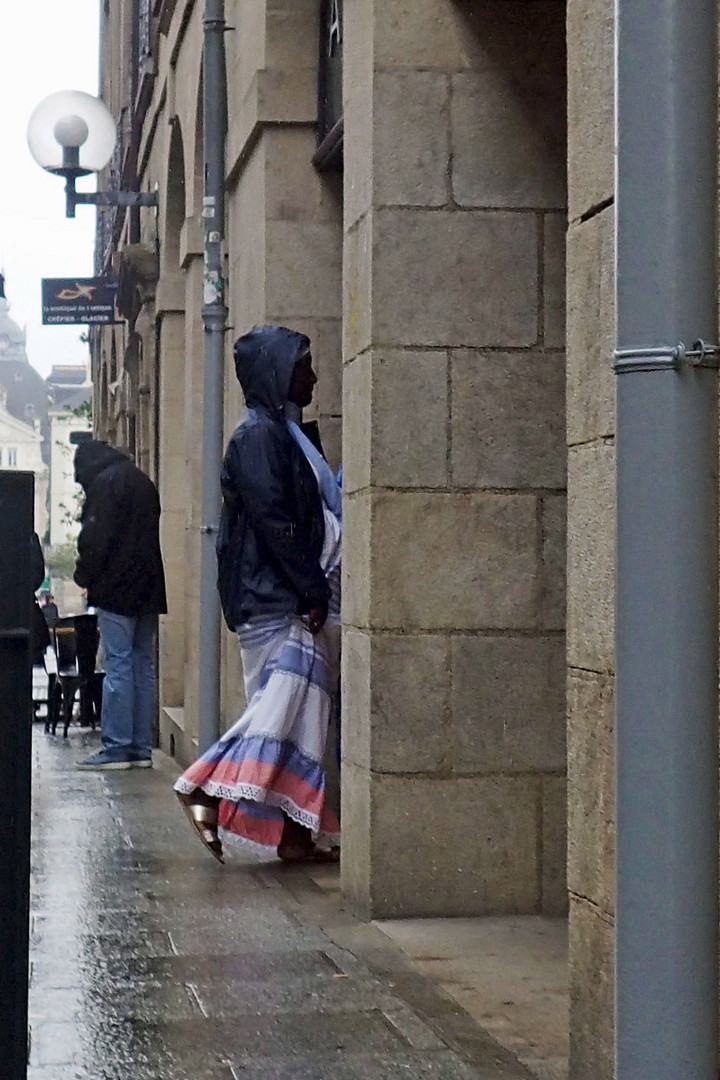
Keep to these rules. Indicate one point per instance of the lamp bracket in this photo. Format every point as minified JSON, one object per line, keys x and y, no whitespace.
{"x":117,"y":198}
{"x":114,"y":197}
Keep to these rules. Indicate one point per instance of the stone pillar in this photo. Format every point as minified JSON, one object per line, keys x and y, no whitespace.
{"x":591,"y":539}
{"x":284,"y":218}
{"x":454,"y":457}
{"x":146,"y":435}
{"x":192,"y":452}
{"x":173,"y":501}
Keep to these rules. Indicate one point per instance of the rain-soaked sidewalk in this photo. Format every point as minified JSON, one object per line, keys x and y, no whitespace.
{"x":152,"y":962}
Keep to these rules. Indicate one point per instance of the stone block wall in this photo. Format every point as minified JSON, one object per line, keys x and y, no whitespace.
{"x":591,"y":537}
{"x":454,"y":457}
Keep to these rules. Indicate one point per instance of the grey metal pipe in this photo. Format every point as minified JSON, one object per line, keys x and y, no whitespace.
{"x":214,"y":314}
{"x":667,"y":542}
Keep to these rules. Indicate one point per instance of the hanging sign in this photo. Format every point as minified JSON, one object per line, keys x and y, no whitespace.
{"x":78,"y":300}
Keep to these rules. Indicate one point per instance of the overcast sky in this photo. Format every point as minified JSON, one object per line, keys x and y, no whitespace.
{"x":44,"y":46}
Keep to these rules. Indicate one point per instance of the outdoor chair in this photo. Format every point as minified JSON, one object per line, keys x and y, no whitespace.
{"x":75,"y":643}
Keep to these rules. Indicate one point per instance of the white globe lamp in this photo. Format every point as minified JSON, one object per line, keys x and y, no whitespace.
{"x":71,"y":132}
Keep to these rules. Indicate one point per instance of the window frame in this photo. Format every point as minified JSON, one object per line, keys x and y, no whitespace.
{"x":330,"y":123}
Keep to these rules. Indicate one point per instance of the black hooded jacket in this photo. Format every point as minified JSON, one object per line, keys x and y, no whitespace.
{"x":272,"y":527}
{"x":119,"y":561}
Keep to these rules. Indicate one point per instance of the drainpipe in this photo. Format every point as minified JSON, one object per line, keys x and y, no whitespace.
{"x":667,"y":541}
{"x":214,"y":314}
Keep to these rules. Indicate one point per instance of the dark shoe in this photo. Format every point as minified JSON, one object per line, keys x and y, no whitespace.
{"x":312,"y":855}
{"x":137,"y":762}
{"x":103,"y":762}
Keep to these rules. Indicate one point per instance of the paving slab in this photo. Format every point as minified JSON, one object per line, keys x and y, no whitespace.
{"x":150,"y":960}
{"x":510,"y":974}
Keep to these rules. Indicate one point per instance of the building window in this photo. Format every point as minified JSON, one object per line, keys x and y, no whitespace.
{"x":12,"y":457}
{"x":144,"y":34}
{"x":329,"y":154}
{"x":144,"y":73}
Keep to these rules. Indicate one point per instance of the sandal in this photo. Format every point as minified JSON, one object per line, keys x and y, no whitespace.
{"x":204,"y":820}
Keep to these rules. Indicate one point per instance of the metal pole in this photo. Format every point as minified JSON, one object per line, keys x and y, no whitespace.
{"x":214,"y":315}
{"x":667,"y":542}
{"x":16,"y":525}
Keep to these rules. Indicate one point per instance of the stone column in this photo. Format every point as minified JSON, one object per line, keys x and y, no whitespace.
{"x":145,"y":455}
{"x":453,"y":448}
{"x":173,"y":500}
{"x":192,"y":453}
{"x":284,"y":218}
{"x":591,"y":537}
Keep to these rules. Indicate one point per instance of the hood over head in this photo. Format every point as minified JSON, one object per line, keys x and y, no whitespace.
{"x":91,"y":457}
{"x":264,"y":362}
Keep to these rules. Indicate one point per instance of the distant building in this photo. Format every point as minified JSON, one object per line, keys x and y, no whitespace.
{"x":13,"y":340}
{"x":24,"y":427}
{"x":26,"y":392}
{"x":70,"y":421}
{"x":21,"y":447}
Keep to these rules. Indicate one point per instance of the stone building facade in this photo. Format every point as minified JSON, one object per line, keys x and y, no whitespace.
{"x":415,"y":225}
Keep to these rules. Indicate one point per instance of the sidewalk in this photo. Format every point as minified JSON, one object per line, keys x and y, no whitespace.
{"x":151,"y":961}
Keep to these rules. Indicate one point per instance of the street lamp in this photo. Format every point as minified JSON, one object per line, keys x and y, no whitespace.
{"x":72,"y":134}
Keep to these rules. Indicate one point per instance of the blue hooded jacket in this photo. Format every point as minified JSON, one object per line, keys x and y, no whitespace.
{"x":272,"y":526}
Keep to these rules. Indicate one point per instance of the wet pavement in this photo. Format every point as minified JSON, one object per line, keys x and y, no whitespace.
{"x":152,"y":962}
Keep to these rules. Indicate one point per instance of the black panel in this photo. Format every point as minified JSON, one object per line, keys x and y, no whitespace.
{"x":16,"y":526}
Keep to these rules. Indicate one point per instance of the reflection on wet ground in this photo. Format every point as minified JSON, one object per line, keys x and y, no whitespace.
{"x":152,"y":962}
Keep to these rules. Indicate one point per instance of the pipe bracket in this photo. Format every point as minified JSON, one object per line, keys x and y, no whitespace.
{"x":666,"y":358}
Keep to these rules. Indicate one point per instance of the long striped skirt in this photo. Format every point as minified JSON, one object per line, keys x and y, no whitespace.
{"x":270,"y":762}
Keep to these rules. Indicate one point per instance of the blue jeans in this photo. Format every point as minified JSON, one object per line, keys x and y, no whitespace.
{"x":128,"y":703}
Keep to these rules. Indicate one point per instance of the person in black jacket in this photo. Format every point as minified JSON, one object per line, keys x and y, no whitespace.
{"x":272,"y":527}
{"x":119,"y":565}
{"x":278,"y":554}
{"x":49,"y":609}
